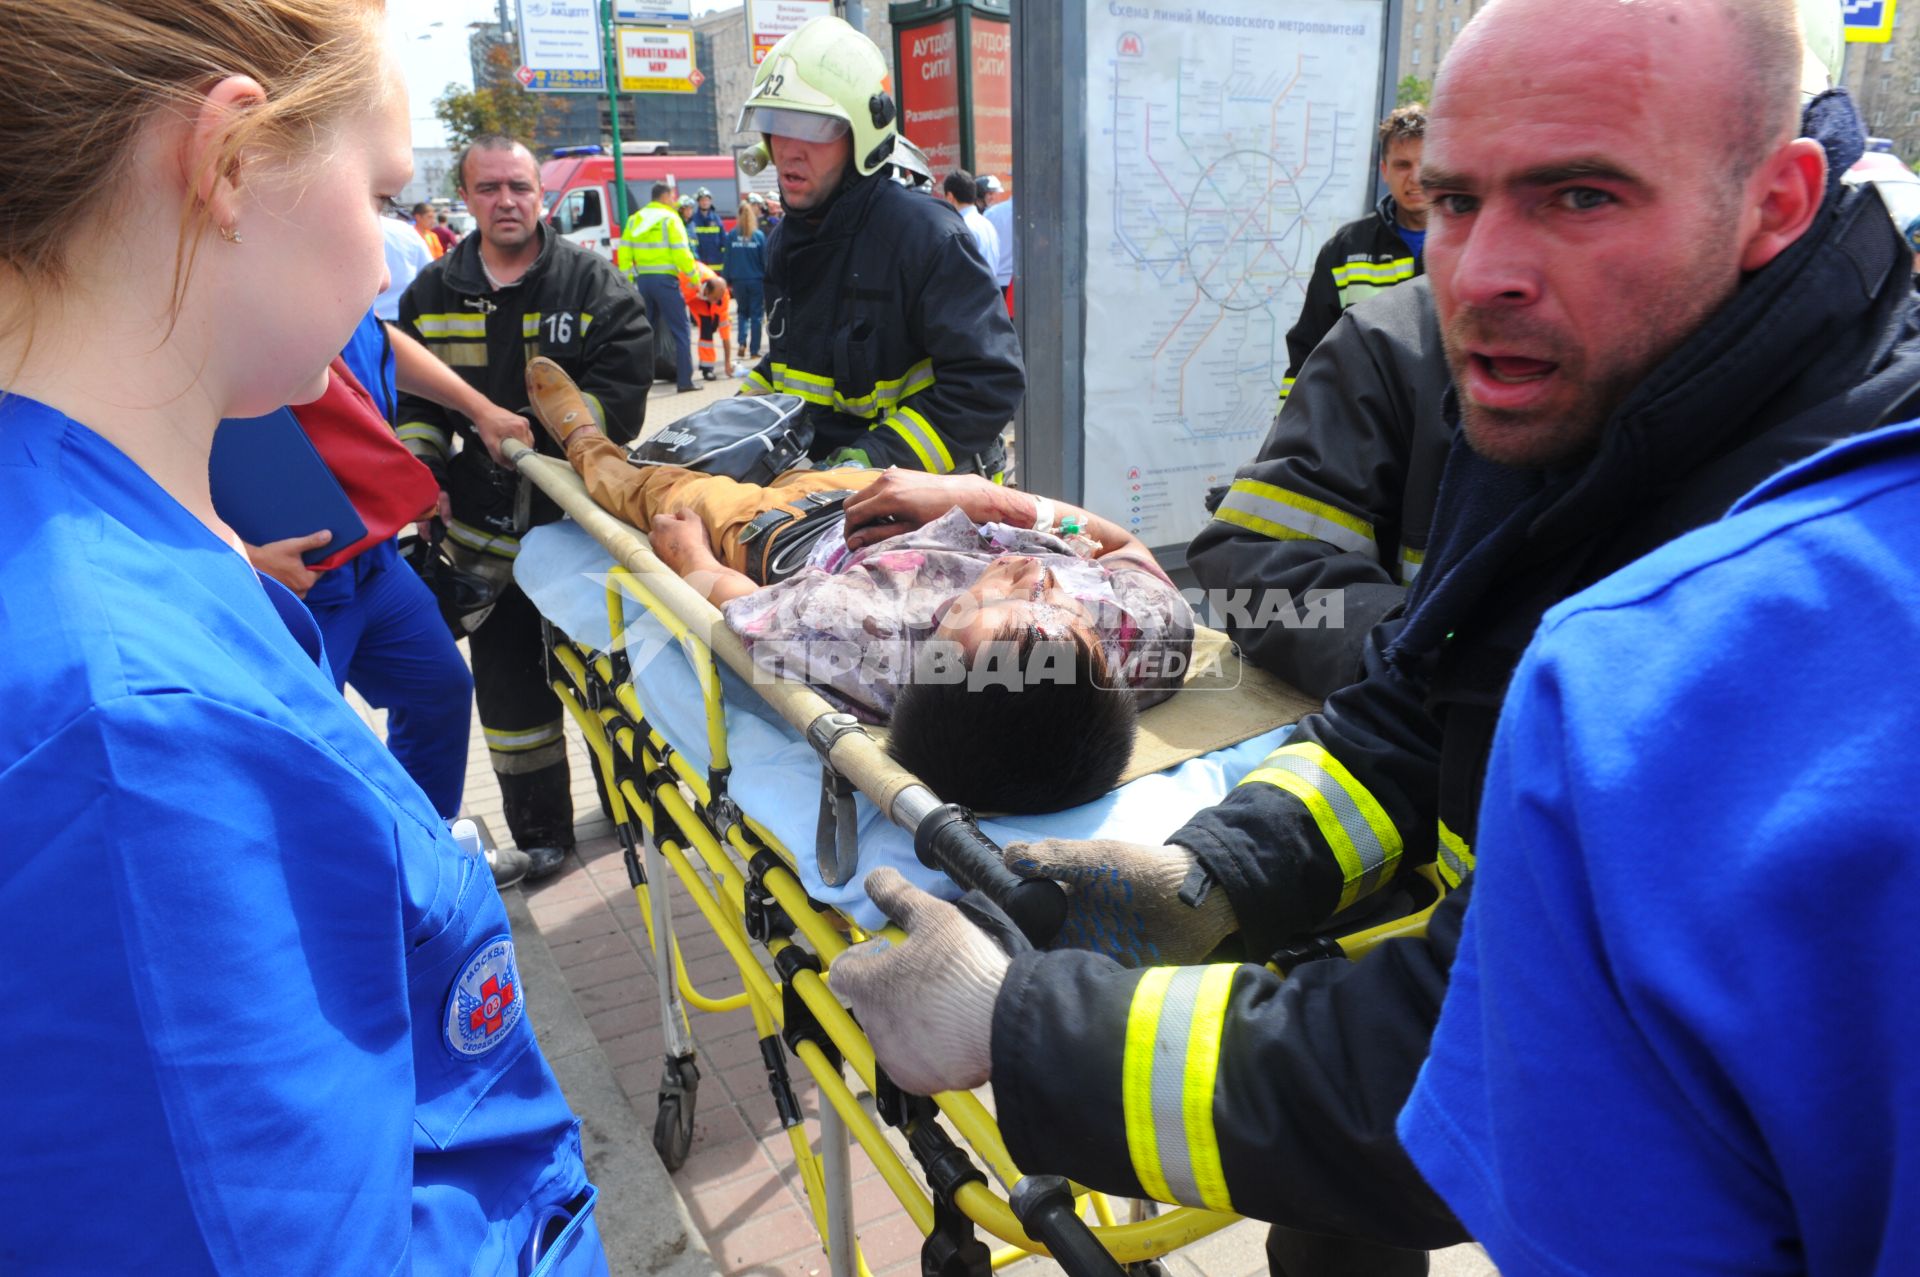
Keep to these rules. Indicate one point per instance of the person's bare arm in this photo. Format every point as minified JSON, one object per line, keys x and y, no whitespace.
{"x":418,"y":371}
{"x":681,"y":542}
{"x":902,"y":500}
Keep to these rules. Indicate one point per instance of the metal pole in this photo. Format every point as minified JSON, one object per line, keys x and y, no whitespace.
{"x":613,"y":115}
{"x":1050,"y":211}
{"x":855,"y":13}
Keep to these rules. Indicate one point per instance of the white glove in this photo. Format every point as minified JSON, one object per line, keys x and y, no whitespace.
{"x":1123,"y":900}
{"x":926,"y":1004}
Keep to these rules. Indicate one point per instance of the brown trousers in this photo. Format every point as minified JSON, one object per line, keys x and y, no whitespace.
{"x":640,"y":493}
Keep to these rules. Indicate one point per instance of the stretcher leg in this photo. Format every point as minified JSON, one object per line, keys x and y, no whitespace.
{"x":836,"y":1174}
{"x":680,"y":1077}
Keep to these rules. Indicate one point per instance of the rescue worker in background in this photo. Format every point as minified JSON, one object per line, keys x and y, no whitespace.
{"x":881,"y":313}
{"x":709,"y":231}
{"x":276,"y":1022}
{"x":1340,"y":497}
{"x":654,"y":254}
{"x":685,"y":207}
{"x":1731,"y":309}
{"x":511,"y":290}
{"x":1372,"y":253}
{"x":707,"y":304}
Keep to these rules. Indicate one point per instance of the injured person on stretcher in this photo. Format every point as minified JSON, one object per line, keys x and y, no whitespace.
{"x":1007,"y":641}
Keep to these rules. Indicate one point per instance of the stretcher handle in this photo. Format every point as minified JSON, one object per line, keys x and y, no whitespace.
{"x":948,"y":841}
{"x":1044,"y":1204}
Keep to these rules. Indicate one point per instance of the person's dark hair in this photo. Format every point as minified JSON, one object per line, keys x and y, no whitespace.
{"x":1062,"y":737}
{"x":422,"y":207}
{"x":660,"y":191}
{"x":959,"y":184}
{"x":1406,"y":124}
{"x":486,"y":142}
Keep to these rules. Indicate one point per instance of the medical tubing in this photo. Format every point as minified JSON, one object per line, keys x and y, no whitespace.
{"x":948,"y":841}
{"x":1045,"y":1206}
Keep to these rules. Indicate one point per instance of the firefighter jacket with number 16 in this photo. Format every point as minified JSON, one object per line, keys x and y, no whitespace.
{"x":570,"y":306}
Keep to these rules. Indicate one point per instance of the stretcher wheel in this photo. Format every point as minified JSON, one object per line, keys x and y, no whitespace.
{"x":673,"y":1124}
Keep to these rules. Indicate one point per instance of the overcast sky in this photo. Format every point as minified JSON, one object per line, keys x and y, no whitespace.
{"x":431,"y":36}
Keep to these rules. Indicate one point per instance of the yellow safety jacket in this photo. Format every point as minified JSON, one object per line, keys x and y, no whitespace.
{"x":654,"y":242}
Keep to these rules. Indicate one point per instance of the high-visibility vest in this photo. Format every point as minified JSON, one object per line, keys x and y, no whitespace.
{"x":699,"y":308}
{"x":654,"y":242}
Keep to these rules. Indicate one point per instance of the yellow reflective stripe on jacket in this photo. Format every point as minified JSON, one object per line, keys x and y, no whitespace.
{"x":922,"y":438}
{"x":1351,"y":819}
{"x":886,"y":394}
{"x":1411,"y":560}
{"x":1382,"y":273}
{"x":755,"y":379}
{"x":460,"y":354}
{"x":1169,"y":1072}
{"x":1358,"y":281}
{"x":422,"y":432}
{"x":458,"y":324}
{"x":810,"y":386}
{"x":519,"y":742}
{"x":1287,"y":516}
{"x":1456,"y":858}
{"x":1286,"y":388}
{"x":482,"y":540}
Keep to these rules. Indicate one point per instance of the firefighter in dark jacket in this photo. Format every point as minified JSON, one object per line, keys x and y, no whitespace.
{"x":1371,"y":254}
{"x":1340,"y":497}
{"x":511,"y":291}
{"x":1772,"y":312}
{"x":881,"y":313}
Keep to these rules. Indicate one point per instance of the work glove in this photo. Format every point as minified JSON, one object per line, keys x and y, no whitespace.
{"x":927,"y":1003}
{"x":1123,"y":900}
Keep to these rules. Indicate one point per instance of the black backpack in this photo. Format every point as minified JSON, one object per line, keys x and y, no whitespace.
{"x":752,"y":438}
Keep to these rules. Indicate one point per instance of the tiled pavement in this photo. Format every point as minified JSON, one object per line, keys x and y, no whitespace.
{"x":739,"y":1181}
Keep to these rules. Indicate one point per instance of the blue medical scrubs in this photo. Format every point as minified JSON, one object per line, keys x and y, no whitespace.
{"x":384,"y":633}
{"x":263,"y":1015}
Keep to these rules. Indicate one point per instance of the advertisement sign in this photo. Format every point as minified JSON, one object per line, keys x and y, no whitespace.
{"x":930,"y":94}
{"x":560,"y":46}
{"x":993,"y":98}
{"x":652,"y":11}
{"x":657,"y":60}
{"x":768,"y":20}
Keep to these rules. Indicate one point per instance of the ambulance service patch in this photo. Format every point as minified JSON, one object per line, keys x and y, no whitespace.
{"x":485,"y":1002}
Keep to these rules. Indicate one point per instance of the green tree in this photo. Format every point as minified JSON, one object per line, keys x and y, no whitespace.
{"x":496,"y":104}
{"x":1413,"y":89}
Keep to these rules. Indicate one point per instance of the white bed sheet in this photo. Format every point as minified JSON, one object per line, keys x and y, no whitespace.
{"x":776,"y":775}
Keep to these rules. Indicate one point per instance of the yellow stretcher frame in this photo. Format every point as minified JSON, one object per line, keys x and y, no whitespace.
{"x":671,"y":816}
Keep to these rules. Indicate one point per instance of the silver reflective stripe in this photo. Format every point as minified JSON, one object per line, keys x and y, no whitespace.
{"x":1374,"y":858}
{"x":1170,"y":1084}
{"x":1288,"y":515}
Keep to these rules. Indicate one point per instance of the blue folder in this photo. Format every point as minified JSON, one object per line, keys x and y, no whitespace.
{"x":270,"y":484}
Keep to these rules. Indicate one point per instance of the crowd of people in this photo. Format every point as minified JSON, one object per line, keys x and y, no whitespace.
{"x":1599,"y":420}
